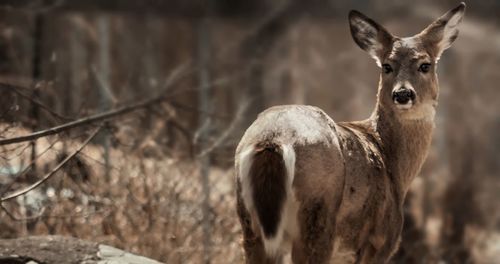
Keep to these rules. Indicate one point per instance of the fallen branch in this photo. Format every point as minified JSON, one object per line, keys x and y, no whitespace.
{"x":51,"y":173}
{"x":174,"y":77}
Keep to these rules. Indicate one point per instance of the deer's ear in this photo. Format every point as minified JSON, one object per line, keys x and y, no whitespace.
{"x":370,"y":36}
{"x":441,"y":33}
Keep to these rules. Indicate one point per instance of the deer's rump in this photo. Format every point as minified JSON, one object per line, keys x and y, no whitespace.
{"x":277,"y":171}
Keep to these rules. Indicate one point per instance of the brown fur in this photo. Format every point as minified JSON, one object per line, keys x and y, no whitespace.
{"x":351,"y":179}
{"x":320,"y":195}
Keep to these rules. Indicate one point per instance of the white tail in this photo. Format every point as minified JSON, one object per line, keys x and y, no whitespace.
{"x":280,"y":162}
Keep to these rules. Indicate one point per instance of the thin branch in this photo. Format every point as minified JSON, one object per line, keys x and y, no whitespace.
{"x":16,"y":89}
{"x":51,"y":173}
{"x":21,"y":219}
{"x":194,"y":109}
{"x":227,"y":132}
{"x":83,"y":121}
{"x":26,"y":169}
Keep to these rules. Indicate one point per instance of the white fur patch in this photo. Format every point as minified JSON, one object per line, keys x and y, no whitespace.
{"x":409,"y":42}
{"x":289,"y":158}
{"x":245,"y":161}
{"x":424,"y":112}
{"x":406,"y":106}
{"x":290,"y":125}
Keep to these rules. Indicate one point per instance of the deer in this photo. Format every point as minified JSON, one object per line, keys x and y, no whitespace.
{"x":319,"y":191}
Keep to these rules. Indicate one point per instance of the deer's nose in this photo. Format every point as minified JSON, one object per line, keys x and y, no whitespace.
{"x":403,"y":95}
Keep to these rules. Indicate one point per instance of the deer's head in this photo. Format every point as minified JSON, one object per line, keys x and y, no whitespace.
{"x":408,"y":80}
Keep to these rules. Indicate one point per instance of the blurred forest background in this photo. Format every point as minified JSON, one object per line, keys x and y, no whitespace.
{"x":170,"y":86}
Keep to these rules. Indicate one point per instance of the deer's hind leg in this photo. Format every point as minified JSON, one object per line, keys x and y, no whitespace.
{"x":384,"y":241}
{"x":315,"y":244}
{"x":319,"y":193}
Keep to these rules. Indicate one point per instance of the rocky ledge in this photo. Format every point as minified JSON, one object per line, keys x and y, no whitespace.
{"x":63,"y":250}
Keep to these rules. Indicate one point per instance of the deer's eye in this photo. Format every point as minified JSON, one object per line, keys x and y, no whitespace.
{"x":386,"y":68}
{"x":424,"y":67}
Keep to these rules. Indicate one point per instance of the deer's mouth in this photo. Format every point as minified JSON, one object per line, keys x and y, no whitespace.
{"x":404,"y":106}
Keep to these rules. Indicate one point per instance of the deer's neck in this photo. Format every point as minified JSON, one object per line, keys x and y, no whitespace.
{"x":405,"y":144}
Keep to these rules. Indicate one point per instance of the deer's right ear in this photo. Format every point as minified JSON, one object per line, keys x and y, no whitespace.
{"x":442,"y":32}
{"x":370,"y":36}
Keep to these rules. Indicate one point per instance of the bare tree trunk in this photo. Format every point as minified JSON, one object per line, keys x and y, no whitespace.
{"x":77,"y":53}
{"x":149,"y":80}
{"x":203,"y":54}
{"x":78,"y":67}
{"x":37,"y":54}
{"x":34,"y":112}
{"x":105,"y":85}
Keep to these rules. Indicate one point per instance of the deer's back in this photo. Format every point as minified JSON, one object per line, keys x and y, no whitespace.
{"x":291,"y":125}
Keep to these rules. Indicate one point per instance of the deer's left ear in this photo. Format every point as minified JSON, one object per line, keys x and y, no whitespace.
{"x":369,"y":35}
{"x":441,"y":33}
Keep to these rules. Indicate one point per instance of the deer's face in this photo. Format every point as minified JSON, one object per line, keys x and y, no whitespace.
{"x":408,"y":82}
{"x":408,"y":78}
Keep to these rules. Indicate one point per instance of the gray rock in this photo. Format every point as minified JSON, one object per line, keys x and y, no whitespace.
{"x":64,"y":250}
{"x":111,"y":255}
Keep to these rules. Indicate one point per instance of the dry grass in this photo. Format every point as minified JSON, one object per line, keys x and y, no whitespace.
{"x":150,"y":206}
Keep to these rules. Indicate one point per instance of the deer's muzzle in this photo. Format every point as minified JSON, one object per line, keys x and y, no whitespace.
{"x":403,"y":96}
